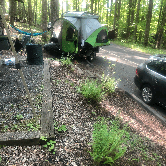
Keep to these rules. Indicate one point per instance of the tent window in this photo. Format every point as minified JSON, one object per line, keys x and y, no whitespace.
{"x":102,"y":37}
{"x":70,"y":33}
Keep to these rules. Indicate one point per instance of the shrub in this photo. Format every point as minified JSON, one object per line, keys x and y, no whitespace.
{"x":108,"y":141}
{"x":66,"y":61}
{"x":109,"y":84}
{"x":91,"y":90}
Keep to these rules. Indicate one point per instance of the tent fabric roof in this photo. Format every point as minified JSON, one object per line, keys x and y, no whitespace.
{"x":80,"y":15}
{"x":85,"y":26}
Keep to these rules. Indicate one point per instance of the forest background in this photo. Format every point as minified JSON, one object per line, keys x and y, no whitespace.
{"x":138,"y":21}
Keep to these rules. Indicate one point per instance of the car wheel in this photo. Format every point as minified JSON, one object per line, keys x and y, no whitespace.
{"x":147,"y":94}
{"x":90,"y":56}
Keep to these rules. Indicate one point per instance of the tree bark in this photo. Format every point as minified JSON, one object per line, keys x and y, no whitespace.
{"x":44,"y":19}
{"x":148,"y":21}
{"x":115,"y":14}
{"x":12,"y":5}
{"x":29,"y":13}
{"x":54,"y":12}
{"x":161,"y":24}
{"x":92,"y":2}
{"x":129,"y":19}
{"x":2,"y":3}
{"x":136,"y":21}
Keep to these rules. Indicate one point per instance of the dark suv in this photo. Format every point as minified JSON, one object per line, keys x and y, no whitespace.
{"x":150,"y":78}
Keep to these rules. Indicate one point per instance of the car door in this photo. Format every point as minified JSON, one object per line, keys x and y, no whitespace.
{"x":160,"y":80}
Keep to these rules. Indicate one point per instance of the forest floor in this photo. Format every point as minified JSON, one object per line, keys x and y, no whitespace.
{"x":145,"y":146}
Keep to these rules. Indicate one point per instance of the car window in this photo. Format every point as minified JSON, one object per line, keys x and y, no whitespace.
{"x":158,"y":67}
{"x":154,"y":65}
{"x":162,"y":69}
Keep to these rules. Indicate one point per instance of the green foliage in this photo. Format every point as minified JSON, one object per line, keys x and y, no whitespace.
{"x":91,"y":90}
{"x":32,"y":126}
{"x":1,"y":146}
{"x":19,"y":117}
{"x":108,"y":142}
{"x":66,"y":61}
{"x":108,"y":83}
{"x":62,"y":128}
{"x":50,"y":144}
{"x":6,"y":128}
{"x":140,"y":47}
{"x":95,"y":91}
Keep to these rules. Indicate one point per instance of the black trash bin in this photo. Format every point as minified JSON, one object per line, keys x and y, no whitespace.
{"x":34,"y":54}
{"x":4,"y":43}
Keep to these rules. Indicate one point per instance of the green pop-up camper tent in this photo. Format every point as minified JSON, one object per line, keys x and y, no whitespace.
{"x":80,"y":33}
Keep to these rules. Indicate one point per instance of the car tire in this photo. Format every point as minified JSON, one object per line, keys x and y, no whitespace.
{"x":90,"y":56}
{"x":147,"y":94}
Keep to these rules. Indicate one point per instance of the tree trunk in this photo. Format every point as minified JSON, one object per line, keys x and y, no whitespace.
{"x":132,"y":10}
{"x":129,"y":19}
{"x":12,"y":5}
{"x":161,"y":24}
{"x":54,"y":12}
{"x":2,"y":3}
{"x":67,"y":5}
{"x":110,"y":11}
{"x":115,"y":14}
{"x":148,"y":20}
{"x":95,"y":6}
{"x":136,"y":21}
{"x":35,"y":11}
{"x":29,"y":13}
{"x":107,"y":11}
{"x":44,"y":19}
{"x":92,"y":1}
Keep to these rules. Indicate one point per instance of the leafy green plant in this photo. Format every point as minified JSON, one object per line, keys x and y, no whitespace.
{"x":50,"y":144}
{"x":91,"y":90}
{"x":72,"y":84}
{"x":1,"y":146}
{"x":61,"y":128}
{"x":108,"y":142}
{"x":109,"y":84}
{"x":66,"y":61}
{"x":19,"y":117}
{"x":32,"y":126}
{"x":15,"y":127}
{"x":6,"y":128}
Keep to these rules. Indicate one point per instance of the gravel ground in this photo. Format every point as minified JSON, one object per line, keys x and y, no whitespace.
{"x":72,"y":110}
{"x":13,"y":97}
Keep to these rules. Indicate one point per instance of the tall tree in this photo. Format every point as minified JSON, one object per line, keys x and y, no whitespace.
{"x":12,"y":11}
{"x":92,"y":2}
{"x":129,"y":18}
{"x":117,"y":14}
{"x":2,"y":4}
{"x":148,"y":20}
{"x":161,"y":24}
{"x":44,"y":19}
{"x":54,"y":10}
{"x":136,"y":21}
{"x":30,"y":13}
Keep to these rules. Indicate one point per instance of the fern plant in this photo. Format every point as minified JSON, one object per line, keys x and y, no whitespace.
{"x":108,"y":142}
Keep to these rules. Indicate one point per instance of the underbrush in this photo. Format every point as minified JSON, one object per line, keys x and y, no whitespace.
{"x":139,"y":47}
{"x":108,"y":141}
